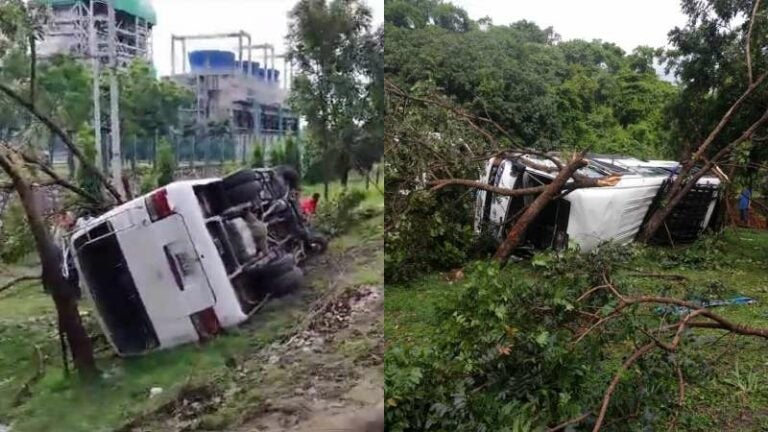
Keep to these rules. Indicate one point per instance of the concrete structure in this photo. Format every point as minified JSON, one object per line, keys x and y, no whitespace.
{"x":69,"y":30}
{"x":230,"y":85}
{"x":109,"y":34}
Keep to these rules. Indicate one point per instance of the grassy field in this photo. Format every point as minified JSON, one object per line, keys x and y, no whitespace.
{"x":734,"y":395}
{"x":35,"y":394}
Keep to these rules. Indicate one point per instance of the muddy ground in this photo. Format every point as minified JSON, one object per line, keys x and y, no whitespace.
{"x":324,"y":374}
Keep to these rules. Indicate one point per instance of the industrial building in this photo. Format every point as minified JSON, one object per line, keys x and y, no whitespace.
{"x":69,"y":30}
{"x":243,"y":86}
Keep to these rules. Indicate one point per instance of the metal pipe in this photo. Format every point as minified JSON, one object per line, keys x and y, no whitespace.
{"x":93,"y":47}
{"x":183,"y":56}
{"x":211,"y":36}
{"x":267,"y":48}
{"x":240,"y":51}
{"x":116,"y":162}
{"x":173,"y":55}
{"x":266,"y":63}
{"x":250,"y":58}
{"x":273,"y":63}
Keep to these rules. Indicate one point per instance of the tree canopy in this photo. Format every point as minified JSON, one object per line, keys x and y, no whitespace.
{"x":546,"y":93}
{"x":339,"y":62}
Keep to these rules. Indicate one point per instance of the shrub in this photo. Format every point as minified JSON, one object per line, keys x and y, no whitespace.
{"x":86,"y":178}
{"x":148,"y":183}
{"x":257,"y":157}
{"x":292,"y":155}
{"x":433,"y":232}
{"x":335,"y":216}
{"x":276,"y":155}
{"x":166,"y":163}
{"x":16,"y":239}
{"x":504,"y":357}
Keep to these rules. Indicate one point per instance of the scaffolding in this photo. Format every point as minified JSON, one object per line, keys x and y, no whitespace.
{"x":95,"y":31}
{"x":69,"y":32}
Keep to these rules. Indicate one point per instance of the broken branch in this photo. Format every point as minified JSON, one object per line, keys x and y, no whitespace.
{"x":10,"y":284}
{"x":637,"y":355}
{"x":515,"y":236}
{"x":749,"y":40}
{"x":56,"y":129}
{"x":58,"y":180}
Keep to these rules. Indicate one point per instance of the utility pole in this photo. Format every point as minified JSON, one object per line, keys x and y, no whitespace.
{"x":116,"y":163}
{"x":95,"y":59}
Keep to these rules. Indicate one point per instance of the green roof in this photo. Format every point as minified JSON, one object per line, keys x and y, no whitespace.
{"x":140,"y":8}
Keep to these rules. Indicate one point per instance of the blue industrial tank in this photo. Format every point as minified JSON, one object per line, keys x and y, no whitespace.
{"x":244,"y":67}
{"x":261,"y":73}
{"x":212,"y":60}
{"x":277,"y":75}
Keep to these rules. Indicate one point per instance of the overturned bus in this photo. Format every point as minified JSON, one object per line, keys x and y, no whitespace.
{"x":587,"y":217}
{"x":180,"y":264}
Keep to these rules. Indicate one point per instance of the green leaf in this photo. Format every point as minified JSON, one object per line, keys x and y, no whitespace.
{"x":542,"y":338}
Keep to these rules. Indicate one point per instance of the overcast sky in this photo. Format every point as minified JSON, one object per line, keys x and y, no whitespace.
{"x":626,"y":23}
{"x":265,"y":20}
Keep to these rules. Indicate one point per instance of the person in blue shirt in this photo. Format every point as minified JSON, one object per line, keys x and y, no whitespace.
{"x":744,"y":204}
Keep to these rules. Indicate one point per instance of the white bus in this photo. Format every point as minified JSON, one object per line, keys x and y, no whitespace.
{"x":175,"y":266}
{"x":589,"y":216}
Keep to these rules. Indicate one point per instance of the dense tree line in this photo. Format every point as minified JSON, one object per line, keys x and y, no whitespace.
{"x":547,"y":93}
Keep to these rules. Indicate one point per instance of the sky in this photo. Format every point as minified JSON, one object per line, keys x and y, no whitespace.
{"x":265,"y":20}
{"x":625,"y":23}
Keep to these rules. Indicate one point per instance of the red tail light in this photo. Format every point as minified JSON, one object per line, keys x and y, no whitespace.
{"x":206,"y":323}
{"x":158,"y":206}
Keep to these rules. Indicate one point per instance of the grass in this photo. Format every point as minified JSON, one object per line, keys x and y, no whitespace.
{"x":733,"y":397}
{"x":58,"y":402}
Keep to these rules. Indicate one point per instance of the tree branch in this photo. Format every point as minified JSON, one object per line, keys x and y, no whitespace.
{"x":577,"y":184}
{"x":515,"y":235}
{"x":637,"y":355}
{"x":56,"y":129}
{"x":58,"y":180}
{"x":749,"y":41}
{"x":13,"y":282}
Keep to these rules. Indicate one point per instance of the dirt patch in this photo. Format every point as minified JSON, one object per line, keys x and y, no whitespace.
{"x":337,"y":364}
{"x":756,"y":216}
{"x":325,"y":372}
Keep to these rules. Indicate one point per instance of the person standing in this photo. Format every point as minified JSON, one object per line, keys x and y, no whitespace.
{"x":309,"y":206}
{"x":745,"y":202}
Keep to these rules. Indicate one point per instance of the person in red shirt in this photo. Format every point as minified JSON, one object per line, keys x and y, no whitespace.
{"x":309,"y":205}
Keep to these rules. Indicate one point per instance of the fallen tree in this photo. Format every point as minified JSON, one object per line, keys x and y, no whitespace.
{"x":19,"y":33}
{"x":696,"y":317}
{"x":686,"y":177}
{"x":560,"y":184}
{"x":64,"y":295}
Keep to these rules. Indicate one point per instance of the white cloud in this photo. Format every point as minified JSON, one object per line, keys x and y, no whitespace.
{"x":265,"y":20}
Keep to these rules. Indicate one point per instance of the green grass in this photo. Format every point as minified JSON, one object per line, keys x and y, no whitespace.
{"x":57,"y":402}
{"x":726,"y":400}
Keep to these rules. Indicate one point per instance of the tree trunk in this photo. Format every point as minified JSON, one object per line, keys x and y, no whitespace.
{"x":344,"y":178}
{"x":64,"y":296}
{"x":326,"y":176}
{"x":133,"y":155}
{"x":367,"y":180}
{"x":154,"y":150}
{"x":515,"y":236}
{"x":683,"y":184}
